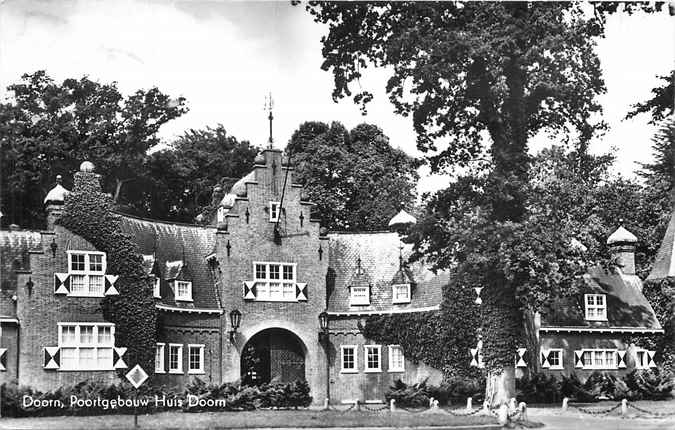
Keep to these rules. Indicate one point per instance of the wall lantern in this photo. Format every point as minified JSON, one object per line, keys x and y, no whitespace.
{"x":323,"y":323}
{"x":235,"y":320}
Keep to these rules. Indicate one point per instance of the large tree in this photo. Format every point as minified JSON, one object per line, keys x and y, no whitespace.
{"x":357,"y":180}
{"x":49,"y":128}
{"x":464,"y":71}
{"x":182,"y":176}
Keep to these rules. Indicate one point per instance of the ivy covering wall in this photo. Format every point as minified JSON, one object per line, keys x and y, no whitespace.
{"x":87,"y":213}
{"x":661,"y":295}
{"x":440,"y":339}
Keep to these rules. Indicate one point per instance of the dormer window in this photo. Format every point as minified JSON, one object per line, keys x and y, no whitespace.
{"x":155,"y":289}
{"x":184,"y":291}
{"x":275,"y":209}
{"x":400,"y":293}
{"x":596,"y":307}
{"x":359,"y":295}
{"x":86,"y":271}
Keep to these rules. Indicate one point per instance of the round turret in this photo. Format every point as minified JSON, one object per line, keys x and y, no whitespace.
{"x":56,"y":194}
{"x":87,"y":167}
{"x":621,"y":236}
{"x":401,"y":220}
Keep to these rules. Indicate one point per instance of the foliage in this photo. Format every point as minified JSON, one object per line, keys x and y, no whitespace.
{"x":661,"y":104}
{"x":661,"y":296}
{"x":291,"y":395}
{"x":87,"y":213}
{"x":357,"y":180}
{"x":49,"y":128}
{"x":182,"y":177}
{"x":107,"y":399}
{"x":418,"y":395}
{"x":660,"y":174}
{"x":538,"y":388}
{"x":440,"y":339}
{"x":656,"y":384}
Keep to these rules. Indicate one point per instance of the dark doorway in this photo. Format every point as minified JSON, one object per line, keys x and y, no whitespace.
{"x":272,"y":355}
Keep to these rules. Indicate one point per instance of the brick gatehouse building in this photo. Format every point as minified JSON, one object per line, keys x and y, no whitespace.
{"x":266,"y":264}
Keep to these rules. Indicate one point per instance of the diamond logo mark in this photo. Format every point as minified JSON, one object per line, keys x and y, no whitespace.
{"x":137,"y":376}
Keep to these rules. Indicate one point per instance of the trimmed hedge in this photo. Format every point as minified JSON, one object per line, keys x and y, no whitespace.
{"x":116,"y":398}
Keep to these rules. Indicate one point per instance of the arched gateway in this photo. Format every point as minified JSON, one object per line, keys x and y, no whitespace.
{"x":273,"y":355}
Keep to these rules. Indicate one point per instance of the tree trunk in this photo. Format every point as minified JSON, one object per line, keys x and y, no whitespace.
{"x":500,"y":387}
{"x":531,"y":341}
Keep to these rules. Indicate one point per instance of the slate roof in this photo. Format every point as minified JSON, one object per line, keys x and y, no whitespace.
{"x":187,"y":244}
{"x":664,"y":265}
{"x":377,"y":256}
{"x":14,"y":247}
{"x":627,"y":307}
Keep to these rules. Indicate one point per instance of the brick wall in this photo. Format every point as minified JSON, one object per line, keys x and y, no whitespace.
{"x":41,"y":310}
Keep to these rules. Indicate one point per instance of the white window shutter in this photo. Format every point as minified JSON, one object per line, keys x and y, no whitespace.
{"x":621,"y":359}
{"x":61,"y":283}
{"x":650,"y":359}
{"x":301,"y":291}
{"x":520,"y":357}
{"x":52,"y":357}
{"x":578,"y":361}
{"x":249,"y":290}
{"x":109,"y":289}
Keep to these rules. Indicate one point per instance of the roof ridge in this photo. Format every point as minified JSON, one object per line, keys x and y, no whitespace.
{"x":159,"y":221}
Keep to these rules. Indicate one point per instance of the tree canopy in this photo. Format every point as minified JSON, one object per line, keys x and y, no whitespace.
{"x":49,"y":128}
{"x":357,"y":180}
{"x":182,"y":176}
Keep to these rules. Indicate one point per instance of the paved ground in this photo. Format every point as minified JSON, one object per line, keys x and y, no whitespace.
{"x":572,"y":420}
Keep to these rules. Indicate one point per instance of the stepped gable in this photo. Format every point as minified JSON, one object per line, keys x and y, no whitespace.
{"x":627,"y":307}
{"x":180,"y":250}
{"x":14,"y":248}
{"x":380,"y":266}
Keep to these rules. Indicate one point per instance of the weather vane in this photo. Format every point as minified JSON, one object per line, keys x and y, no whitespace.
{"x":269,"y":105}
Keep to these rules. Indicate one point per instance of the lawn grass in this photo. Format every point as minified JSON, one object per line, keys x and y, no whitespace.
{"x":252,"y":419}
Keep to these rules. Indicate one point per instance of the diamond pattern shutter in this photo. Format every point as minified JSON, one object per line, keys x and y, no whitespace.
{"x":52,"y":357}
{"x":61,"y":283}
{"x":650,"y":359}
{"x":578,"y":361}
{"x":301,"y":291}
{"x":109,"y":289}
{"x":249,"y":290}
{"x":621,"y":359}
{"x":3,"y":359}
{"x":118,"y":360}
{"x":521,"y":357}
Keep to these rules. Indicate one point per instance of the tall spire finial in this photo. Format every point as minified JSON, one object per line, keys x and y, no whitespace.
{"x":269,"y":106}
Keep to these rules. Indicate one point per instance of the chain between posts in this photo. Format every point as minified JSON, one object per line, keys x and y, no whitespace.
{"x":655,"y":414}
{"x":600,"y":412}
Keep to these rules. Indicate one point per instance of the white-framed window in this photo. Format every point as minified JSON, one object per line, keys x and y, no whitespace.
{"x":86,"y":346}
{"x":195,"y":358}
{"x":184,"y":291}
{"x":155,"y":287}
{"x":599,"y":359}
{"x":373,"y":358}
{"x":641,"y":358}
{"x":596,"y":307}
{"x":87,"y":273}
{"x":220,"y":215}
{"x":159,"y":358}
{"x":175,"y":358}
{"x":275,"y":281}
{"x":396,"y":359}
{"x":400,"y":293}
{"x":555,"y":359}
{"x":359,"y":295}
{"x":349,"y":361}
{"x":275,"y":211}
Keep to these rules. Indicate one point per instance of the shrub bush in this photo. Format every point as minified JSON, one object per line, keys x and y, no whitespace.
{"x":455,"y":389}
{"x":538,"y":388}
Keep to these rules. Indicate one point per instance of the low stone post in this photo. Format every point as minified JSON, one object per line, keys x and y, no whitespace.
{"x":431,"y":402}
{"x":624,"y":407}
{"x":434,"y":405}
{"x":523,"y":410}
{"x":503,"y":415}
{"x":469,"y":406}
{"x":564,"y":405}
{"x":392,"y":405}
{"x":356,"y":405}
{"x":325,"y":403}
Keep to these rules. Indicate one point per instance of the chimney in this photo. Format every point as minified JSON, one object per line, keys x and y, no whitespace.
{"x":622,"y":246}
{"x":54,"y":203}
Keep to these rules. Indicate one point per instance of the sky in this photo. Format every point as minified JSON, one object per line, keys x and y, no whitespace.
{"x":225,"y":57}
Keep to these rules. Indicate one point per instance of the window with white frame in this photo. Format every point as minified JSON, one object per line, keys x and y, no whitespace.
{"x":275,"y":211}
{"x":349,"y":361}
{"x":184,"y":291}
{"x":641,"y":358}
{"x":596,"y":307}
{"x":175,"y":358}
{"x":159,"y":358}
{"x":86,"y":346}
{"x":373,"y":358}
{"x":400,"y":293}
{"x":555,"y":359}
{"x":195,"y":358}
{"x":599,"y":359}
{"x":275,"y":281}
{"x":359,"y":295}
{"x":155,"y":289}
{"x":87,"y":271}
{"x":396,"y":359}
